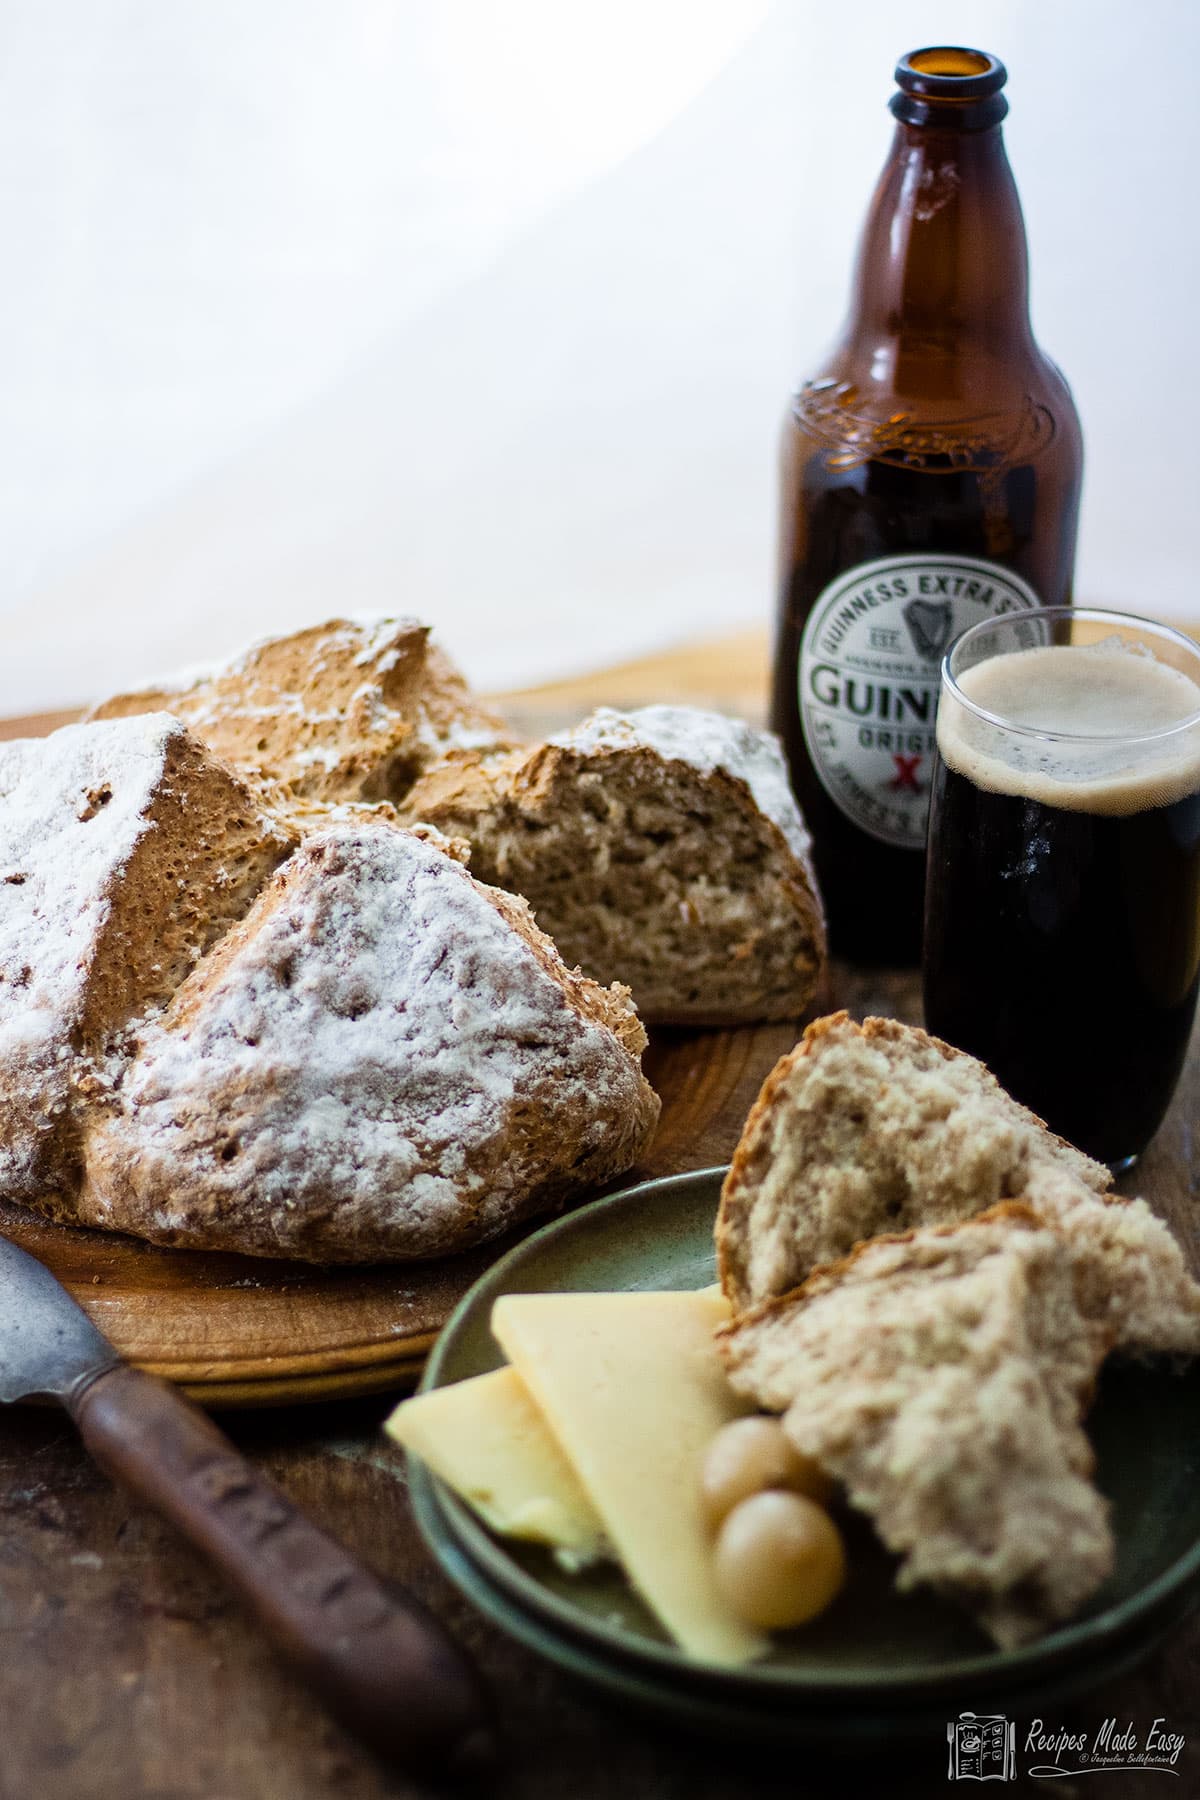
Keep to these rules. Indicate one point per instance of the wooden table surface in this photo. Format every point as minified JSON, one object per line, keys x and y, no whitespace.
{"x":127,"y":1673}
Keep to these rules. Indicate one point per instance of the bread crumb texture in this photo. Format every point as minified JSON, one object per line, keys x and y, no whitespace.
{"x":661,"y":848}
{"x":924,"y":1282}
{"x":941,"y":1377}
{"x":384,"y":1060}
{"x":879,"y":1127}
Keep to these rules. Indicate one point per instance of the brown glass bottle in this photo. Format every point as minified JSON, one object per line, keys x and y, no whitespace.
{"x":931,"y":474}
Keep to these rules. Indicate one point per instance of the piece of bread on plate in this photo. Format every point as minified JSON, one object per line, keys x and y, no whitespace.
{"x":384,"y":1060}
{"x":343,"y":713}
{"x":660,"y":848}
{"x":941,"y":1376}
{"x":126,"y":849}
{"x":880,"y":1127}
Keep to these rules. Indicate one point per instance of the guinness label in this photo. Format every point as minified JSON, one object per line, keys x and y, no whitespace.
{"x":869,"y":677}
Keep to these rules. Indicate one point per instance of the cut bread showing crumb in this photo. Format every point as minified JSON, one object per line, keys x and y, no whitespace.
{"x":346,"y":711}
{"x":1131,"y":1271}
{"x":384,"y":1060}
{"x":660,"y":848}
{"x":125,"y":851}
{"x":879,"y":1127}
{"x":868,"y":1128}
{"x":941,"y":1376}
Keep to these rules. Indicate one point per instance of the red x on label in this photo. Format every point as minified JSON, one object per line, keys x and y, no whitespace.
{"x":905,"y":778}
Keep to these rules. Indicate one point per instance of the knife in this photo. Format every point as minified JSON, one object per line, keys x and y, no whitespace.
{"x":379,"y":1660}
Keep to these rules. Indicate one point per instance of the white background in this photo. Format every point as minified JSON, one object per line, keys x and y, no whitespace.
{"x":488,"y":312}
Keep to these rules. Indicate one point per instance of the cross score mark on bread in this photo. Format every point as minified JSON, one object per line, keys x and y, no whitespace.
{"x":385,"y":1060}
{"x":662,"y":848}
{"x":375,"y":1058}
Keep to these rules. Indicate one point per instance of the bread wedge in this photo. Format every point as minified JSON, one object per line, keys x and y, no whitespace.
{"x":385,"y":1060}
{"x":941,"y":1376}
{"x":659,"y":848}
{"x":880,"y":1127}
{"x":126,"y":849}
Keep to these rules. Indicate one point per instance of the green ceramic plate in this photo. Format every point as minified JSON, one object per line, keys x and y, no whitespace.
{"x":865,"y":1725}
{"x":872,"y":1643}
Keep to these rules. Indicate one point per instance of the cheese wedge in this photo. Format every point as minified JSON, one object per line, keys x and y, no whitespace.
{"x":632,"y":1388}
{"x":487,"y":1440}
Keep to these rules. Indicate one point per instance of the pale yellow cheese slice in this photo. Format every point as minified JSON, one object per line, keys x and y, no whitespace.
{"x":633,"y":1389}
{"x":487,"y":1440}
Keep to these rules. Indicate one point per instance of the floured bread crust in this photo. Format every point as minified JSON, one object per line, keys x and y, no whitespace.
{"x":344,"y":712}
{"x":660,"y":848}
{"x":384,"y":1061}
{"x":941,"y":1376}
{"x":126,"y":849}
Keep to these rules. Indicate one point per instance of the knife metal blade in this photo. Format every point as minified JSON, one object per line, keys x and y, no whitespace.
{"x":47,"y":1342}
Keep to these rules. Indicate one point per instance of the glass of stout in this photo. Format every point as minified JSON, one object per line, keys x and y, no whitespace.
{"x":1062,"y":918}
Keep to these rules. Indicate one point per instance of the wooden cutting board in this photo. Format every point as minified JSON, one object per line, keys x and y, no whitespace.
{"x":240,"y":1331}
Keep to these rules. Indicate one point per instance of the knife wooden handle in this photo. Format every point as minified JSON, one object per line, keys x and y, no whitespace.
{"x":382,"y":1664}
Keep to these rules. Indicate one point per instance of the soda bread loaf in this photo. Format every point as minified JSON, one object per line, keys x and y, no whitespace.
{"x":941,"y":1376}
{"x":342,"y":713}
{"x":384,"y":1060}
{"x":879,"y":1127}
{"x":660,"y":848}
{"x":126,"y":849}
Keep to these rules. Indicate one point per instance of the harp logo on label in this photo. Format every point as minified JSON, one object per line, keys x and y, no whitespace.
{"x":983,"y":1747}
{"x":929,"y":627}
{"x":868,"y":678}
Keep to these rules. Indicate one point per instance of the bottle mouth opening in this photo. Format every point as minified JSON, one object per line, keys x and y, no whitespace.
{"x":951,"y":71}
{"x":947,"y":83}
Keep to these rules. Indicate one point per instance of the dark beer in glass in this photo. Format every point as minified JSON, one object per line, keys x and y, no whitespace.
{"x":1062,"y":924}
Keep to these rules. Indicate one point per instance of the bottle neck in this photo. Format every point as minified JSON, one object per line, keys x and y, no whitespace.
{"x":942,"y":272}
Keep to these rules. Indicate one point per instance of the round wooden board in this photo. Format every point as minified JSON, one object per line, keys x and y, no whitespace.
{"x":241,"y":1331}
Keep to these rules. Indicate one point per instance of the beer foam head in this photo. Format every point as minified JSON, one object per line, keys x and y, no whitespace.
{"x":1091,"y":728}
